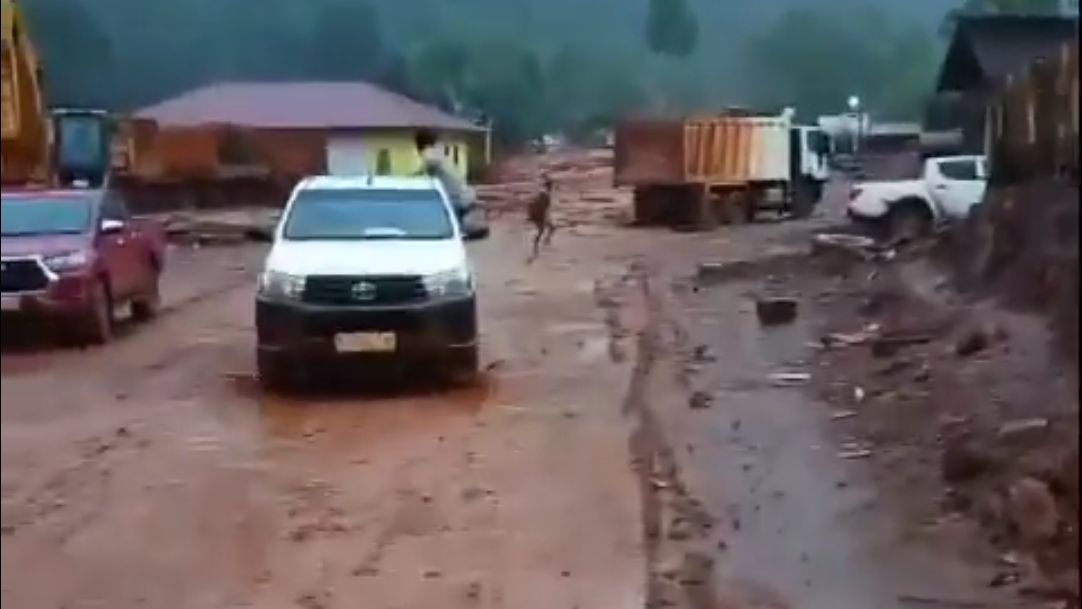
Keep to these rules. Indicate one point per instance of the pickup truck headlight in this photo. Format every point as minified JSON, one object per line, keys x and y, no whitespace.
{"x":456,"y":282}
{"x":67,"y":261}
{"x":275,"y":284}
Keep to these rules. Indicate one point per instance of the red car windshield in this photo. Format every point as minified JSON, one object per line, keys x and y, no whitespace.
{"x":45,"y":214}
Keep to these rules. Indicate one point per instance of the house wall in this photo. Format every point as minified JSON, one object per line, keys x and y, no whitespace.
{"x":392,"y":151}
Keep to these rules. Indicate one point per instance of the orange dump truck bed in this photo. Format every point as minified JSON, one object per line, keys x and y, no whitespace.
{"x":724,"y":150}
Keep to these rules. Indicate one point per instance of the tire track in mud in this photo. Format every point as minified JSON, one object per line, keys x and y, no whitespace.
{"x":676,"y":527}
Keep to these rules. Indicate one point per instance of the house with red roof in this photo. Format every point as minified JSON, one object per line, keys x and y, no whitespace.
{"x":361,"y":128}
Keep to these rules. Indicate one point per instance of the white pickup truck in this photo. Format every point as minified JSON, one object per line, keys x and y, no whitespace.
{"x":947,"y":190}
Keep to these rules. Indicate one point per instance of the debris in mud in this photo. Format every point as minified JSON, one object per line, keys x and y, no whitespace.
{"x":889,"y":345}
{"x":855,"y":453}
{"x":1007,"y":578}
{"x":696,"y":569}
{"x":700,"y":400}
{"x":965,"y":459}
{"x":776,"y":311}
{"x":702,"y":354}
{"x":971,"y":343}
{"x":842,"y":415}
{"x":839,"y":339}
{"x":859,"y":394}
{"x":853,"y":246}
{"x":1032,"y":511}
{"x":789,"y":379}
{"x":1023,"y":430}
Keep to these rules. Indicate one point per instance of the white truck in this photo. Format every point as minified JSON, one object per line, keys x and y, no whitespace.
{"x":947,"y":189}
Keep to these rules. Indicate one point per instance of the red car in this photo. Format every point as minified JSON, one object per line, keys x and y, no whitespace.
{"x":75,"y":256}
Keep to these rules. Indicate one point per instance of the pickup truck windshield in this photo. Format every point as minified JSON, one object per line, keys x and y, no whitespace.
{"x":44,"y":215}
{"x":335,"y":214}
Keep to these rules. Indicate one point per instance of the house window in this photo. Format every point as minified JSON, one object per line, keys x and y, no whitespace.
{"x":456,"y":155}
{"x":383,"y":162}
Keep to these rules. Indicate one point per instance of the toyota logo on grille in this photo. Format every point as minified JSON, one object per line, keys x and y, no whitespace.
{"x":363,"y":291}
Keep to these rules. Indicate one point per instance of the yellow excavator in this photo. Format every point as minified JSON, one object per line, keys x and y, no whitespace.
{"x":61,"y":147}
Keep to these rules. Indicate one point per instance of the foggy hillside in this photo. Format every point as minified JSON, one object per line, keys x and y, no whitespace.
{"x":532,"y":65}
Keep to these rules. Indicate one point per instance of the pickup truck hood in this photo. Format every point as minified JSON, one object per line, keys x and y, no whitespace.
{"x":374,"y":257}
{"x":42,"y":245}
{"x":874,"y":198}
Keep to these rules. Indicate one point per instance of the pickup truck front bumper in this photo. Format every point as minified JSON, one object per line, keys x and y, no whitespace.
{"x":29,"y":289}
{"x":434,"y":328}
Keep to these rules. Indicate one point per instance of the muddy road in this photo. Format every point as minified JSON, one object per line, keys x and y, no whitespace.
{"x":580,"y":472}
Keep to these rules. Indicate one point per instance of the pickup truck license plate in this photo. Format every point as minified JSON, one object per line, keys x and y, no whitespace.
{"x":365,"y":342}
{"x":10,"y":303}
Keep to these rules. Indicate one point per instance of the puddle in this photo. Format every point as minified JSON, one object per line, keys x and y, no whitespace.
{"x":342,"y":416}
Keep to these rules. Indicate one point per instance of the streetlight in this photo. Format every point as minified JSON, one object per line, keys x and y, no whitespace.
{"x":854,"y":107}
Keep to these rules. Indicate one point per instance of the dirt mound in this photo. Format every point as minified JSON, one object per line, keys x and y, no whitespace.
{"x":983,"y":400}
{"x":1021,"y":246}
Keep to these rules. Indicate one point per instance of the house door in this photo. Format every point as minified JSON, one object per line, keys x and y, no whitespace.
{"x":347,"y":156}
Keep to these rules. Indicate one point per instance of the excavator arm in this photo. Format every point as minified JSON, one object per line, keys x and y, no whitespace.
{"x":25,"y":145}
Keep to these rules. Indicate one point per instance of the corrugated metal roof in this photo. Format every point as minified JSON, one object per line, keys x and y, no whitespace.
{"x":988,"y":48}
{"x":301,"y":105}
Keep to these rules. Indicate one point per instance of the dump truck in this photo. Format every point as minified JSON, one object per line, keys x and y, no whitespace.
{"x":726,"y":168}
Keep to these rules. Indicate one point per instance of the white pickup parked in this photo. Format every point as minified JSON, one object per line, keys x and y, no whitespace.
{"x":947,"y":190}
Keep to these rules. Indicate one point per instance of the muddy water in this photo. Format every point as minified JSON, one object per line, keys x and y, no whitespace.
{"x":802,"y":526}
{"x":153,"y":473}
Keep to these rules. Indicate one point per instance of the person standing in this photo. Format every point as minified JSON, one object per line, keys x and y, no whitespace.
{"x":539,"y":213}
{"x":435,"y":164}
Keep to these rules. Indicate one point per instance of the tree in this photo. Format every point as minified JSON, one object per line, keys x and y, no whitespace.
{"x":346,"y":43}
{"x":814,"y":58}
{"x":76,"y":55}
{"x":671,"y":28}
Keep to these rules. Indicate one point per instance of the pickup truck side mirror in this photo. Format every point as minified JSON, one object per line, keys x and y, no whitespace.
{"x":111,"y":227}
{"x":474,"y":226}
{"x":475,"y":232}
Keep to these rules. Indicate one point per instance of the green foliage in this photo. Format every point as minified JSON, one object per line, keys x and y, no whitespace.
{"x":671,"y":28}
{"x":530,"y":66}
{"x":819,"y":57}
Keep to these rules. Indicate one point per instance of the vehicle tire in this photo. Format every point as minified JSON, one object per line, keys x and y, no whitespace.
{"x":465,"y":365}
{"x":802,"y":200}
{"x":703,"y":208}
{"x":98,"y":321}
{"x":275,"y":372}
{"x":909,"y":220}
{"x":648,"y":204}
{"x":737,"y":208}
{"x":146,"y":306}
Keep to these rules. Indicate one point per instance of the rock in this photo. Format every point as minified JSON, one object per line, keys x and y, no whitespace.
{"x":702,"y":354}
{"x":1023,"y":430}
{"x":681,"y":529}
{"x":965,"y":459}
{"x":1032,"y":510}
{"x":696,"y":570}
{"x":700,"y":400}
{"x":776,"y":311}
{"x":473,"y":590}
{"x":971,"y":343}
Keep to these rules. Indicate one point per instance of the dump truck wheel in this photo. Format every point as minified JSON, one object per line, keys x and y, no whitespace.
{"x":802,"y":202}
{"x":704,"y":209}
{"x":647,"y":203}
